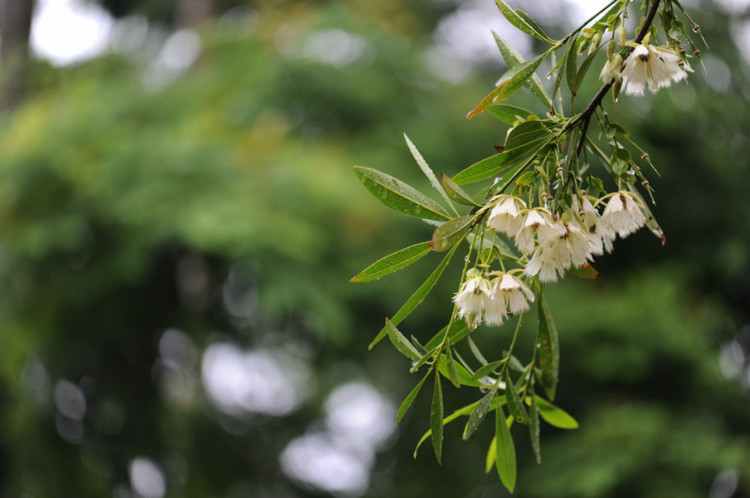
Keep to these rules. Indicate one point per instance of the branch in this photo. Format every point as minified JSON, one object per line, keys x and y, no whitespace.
{"x":585,"y":115}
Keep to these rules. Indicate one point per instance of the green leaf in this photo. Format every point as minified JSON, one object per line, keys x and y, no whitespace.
{"x":549,"y":350}
{"x":436,"y":419}
{"x":464,"y":377}
{"x":393,"y":262}
{"x":400,"y":196}
{"x":477,"y":415}
{"x":428,"y":172}
{"x":491,"y":452}
{"x":451,"y":368}
{"x":510,"y":113}
{"x":534,"y":424}
{"x":476,"y":352}
{"x":510,"y":84}
{"x":505,"y":457}
{"x":410,"y":398}
{"x":488,"y":368}
{"x":458,"y":330}
{"x":554,"y":415}
{"x":494,"y":165}
{"x":514,"y":59}
{"x":515,"y":405}
{"x":450,"y":418}
{"x":451,"y":233}
{"x":418,"y":296}
{"x":401,"y":343}
{"x":525,"y":136}
{"x":523,"y":21}
{"x":457,"y":193}
{"x":585,"y":67}
{"x":571,"y":69}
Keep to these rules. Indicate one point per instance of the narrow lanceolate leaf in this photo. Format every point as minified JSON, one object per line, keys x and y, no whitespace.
{"x":525,"y":136}
{"x":451,"y":368}
{"x":651,"y":222}
{"x":534,"y":424}
{"x":571,"y":67}
{"x":510,"y":113}
{"x":428,"y":173}
{"x":494,"y":165}
{"x":555,"y":415}
{"x":476,"y":352}
{"x":523,"y":21}
{"x":450,"y":418}
{"x":585,"y":67}
{"x":458,"y":330}
{"x":514,"y":59}
{"x":457,"y":372}
{"x":418,"y":296}
{"x":491,"y":453}
{"x":400,"y":342}
{"x":393,"y":262}
{"x":549,"y":350}
{"x":410,"y":399}
{"x":400,"y":196}
{"x":451,"y":232}
{"x":457,"y":193}
{"x":515,"y":405}
{"x":436,"y":419}
{"x":477,"y":415}
{"x":517,"y":77}
{"x":505,"y":457}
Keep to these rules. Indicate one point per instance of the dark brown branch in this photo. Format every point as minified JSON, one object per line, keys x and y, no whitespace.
{"x":585,"y":115}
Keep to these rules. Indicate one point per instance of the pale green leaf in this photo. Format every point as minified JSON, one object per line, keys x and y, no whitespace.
{"x":418,"y":296}
{"x":393,"y":262}
{"x":410,"y":399}
{"x":400,"y":196}
{"x":451,"y":232}
{"x":428,"y":172}
{"x":505,"y":457}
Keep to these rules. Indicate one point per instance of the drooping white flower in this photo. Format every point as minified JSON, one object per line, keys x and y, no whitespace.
{"x":599,"y":235}
{"x":659,"y":67}
{"x":473,"y":298}
{"x":514,"y":293}
{"x":545,"y":265}
{"x":612,"y":70}
{"x":505,"y":216}
{"x":537,"y":222}
{"x":496,"y":309}
{"x":623,"y":214}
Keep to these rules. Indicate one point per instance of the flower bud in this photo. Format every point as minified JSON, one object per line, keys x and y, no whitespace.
{"x":595,"y":40}
{"x":622,"y":35}
{"x":610,"y":48}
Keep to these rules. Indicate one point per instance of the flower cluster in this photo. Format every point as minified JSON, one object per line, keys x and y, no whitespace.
{"x":491,"y":300}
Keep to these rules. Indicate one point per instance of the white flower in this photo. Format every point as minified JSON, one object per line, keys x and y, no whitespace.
{"x":623,"y":214}
{"x":612,"y":70}
{"x":495,"y":311}
{"x":514,"y":293}
{"x":537,"y":222}
{"x":505,"y":215}
{"x":600,"y":236}
{"x":545,"y":265}
{"x":473,"y":298}
{"x":656,"y":66}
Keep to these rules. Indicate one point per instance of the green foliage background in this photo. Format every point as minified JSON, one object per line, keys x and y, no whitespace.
{"x":112,"y":191}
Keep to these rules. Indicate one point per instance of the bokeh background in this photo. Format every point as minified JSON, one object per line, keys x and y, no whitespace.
{"x":179,"y":220}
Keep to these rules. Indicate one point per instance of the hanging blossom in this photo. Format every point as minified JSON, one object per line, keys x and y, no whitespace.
{"x":505,"y":216}
{"x":480,"y":299}
{"x":623,"y":214}
{"x":473,"y":298}
{"x":657,"y":66}
{"x":515,"y":294}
